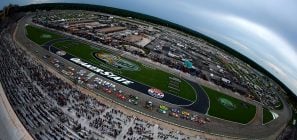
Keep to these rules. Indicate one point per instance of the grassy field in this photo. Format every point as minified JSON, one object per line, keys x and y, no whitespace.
{"x":40,"y":36}
{"x":152,"y":77}
{"x":267,"y":116}
{"x":240,"y":112}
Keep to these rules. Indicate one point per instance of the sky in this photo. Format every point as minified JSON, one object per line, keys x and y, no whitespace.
{"x":263,"y":30}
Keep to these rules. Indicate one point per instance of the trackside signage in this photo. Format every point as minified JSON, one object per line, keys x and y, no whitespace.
{"x":99,"y":71}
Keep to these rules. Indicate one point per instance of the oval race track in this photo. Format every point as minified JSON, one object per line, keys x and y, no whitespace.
{"x":200,"y":105}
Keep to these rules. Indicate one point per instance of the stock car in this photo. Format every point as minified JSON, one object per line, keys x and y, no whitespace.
{"x":107,"y":90}
{"x":121,"y":96}
{"x":175,"y":110}
{"x":173,"y":114}
{"x":185,"y":115}
{"x":149,"y":105}
{"x":163,"y":109}
{"x":70,"y":68}
{"x":156,"y":93}
{"x":133,"y":99}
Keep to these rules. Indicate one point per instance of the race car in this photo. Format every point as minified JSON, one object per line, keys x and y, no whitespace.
{"x":107,"y":90}
{"x":173,"y":114}
{"x":185,"y":115}
{"x":133,"y":99}
{"x":163,"y":109}
{"x":175,"y":110}
{"x":149,"y":105}
{"x":121,"y":96}
{"x":156,"y":93}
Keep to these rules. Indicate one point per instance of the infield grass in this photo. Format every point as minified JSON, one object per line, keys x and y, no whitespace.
{"x":242,"y":113}
{"x":40,"y":36}
{"x":152,"y":77}
{"x":267,"y":116}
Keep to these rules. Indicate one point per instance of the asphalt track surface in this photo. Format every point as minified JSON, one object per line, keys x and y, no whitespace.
{"x":252,"y":130}
{"x":200,"y":105}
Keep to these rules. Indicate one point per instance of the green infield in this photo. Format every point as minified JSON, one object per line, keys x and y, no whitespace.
{"x":133,"y":70}
{"x":267,"y":116}
{"x":40,"y":36}
{"x":229,"y":108}
{"x":128,"y":68}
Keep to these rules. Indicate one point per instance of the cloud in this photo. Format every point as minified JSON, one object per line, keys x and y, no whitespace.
{"x":261,"y":44}
{"x":278,"y":70}
{"x":39,"y":1}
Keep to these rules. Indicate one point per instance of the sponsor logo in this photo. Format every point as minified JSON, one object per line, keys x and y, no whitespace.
{"x":116,"y":61}
{"x":227,"y":103}
{"x":97,"y":70}
{"x":45,"y":36}
{"x":156,"y":93}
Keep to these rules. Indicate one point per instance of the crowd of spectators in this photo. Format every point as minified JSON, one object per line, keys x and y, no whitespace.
{"x":50,"y":108}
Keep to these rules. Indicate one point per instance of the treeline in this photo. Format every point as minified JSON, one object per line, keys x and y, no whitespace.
{"x":8,"y":11}
{"x":126,"y":13}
